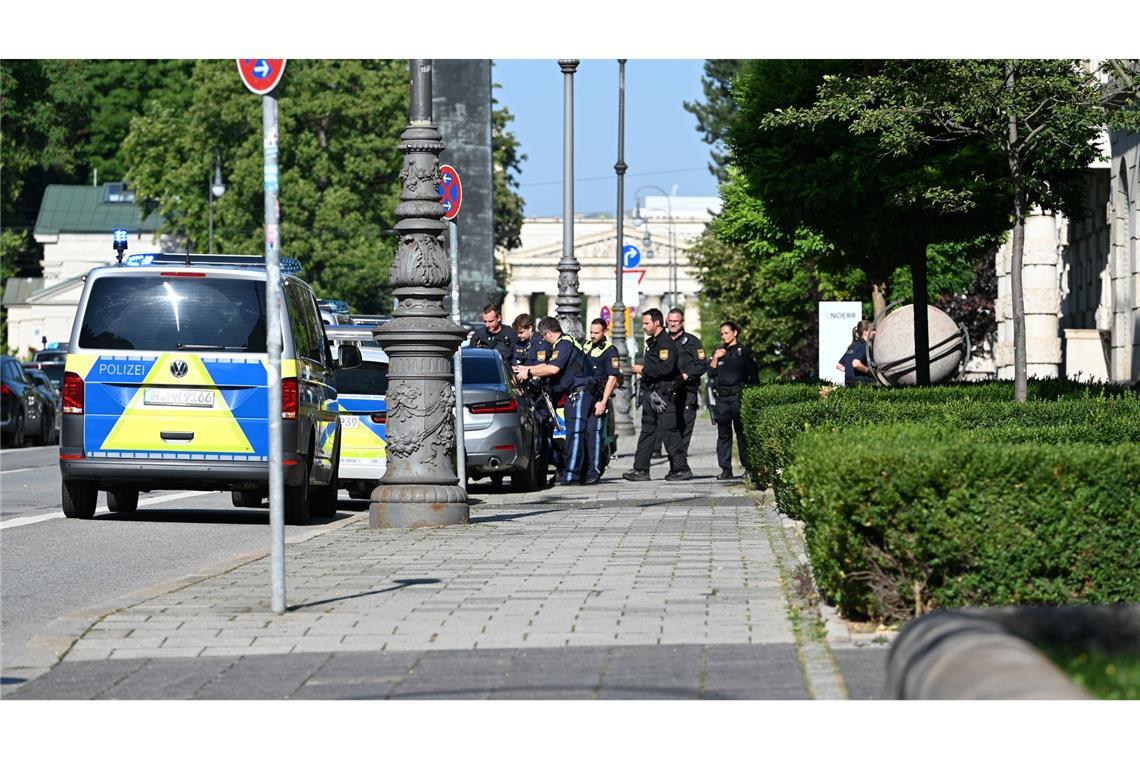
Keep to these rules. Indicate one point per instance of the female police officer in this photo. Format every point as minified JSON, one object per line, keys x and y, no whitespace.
{"x":732,"y":367}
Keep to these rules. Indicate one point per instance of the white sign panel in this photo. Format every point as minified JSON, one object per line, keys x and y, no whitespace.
{"x":836,"y":320}
{"x":630,"y":287}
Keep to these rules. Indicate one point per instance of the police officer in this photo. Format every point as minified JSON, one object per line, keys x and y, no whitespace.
{"x":494,"y":334}
{"x":530,"y":349}
{"x":661,"y":414}
{"x":570,"y":375}
{"x":692,"y":362}
{"x":605,"y":367}
{"x":732,"y":367}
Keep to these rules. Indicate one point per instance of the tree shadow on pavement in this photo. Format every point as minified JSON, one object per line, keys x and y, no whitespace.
{"x":513,"y":515}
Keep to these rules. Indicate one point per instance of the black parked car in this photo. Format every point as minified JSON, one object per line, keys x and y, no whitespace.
{"x":53,"y":405}
{"x":24,"y":413}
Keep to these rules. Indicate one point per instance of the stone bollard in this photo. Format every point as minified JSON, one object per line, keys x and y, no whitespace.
{"x":967,"y":654}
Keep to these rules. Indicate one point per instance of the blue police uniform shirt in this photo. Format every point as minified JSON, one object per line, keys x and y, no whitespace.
{"x":604,"y":360}
{"x":573,"y":370}
{"x":537,"y":351}
{"x":857,"y":350}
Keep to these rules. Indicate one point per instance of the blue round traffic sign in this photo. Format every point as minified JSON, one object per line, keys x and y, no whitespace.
{"x":630,"y":256}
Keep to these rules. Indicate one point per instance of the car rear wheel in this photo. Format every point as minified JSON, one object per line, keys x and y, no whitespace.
{"x":297,"y":499}
{"x":79,"y":498}
{"x":247,"y":498}
{"x":527,"y":480}
{"x":122,"y":500}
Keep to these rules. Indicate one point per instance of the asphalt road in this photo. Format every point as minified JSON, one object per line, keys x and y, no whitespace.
{"x":51,"y":566}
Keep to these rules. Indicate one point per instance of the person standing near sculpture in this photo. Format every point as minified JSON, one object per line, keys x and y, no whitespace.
{"x":731,"y":368}
{"x":693,"y":363}
{"x":854,"y":362}
{"x":661,"y":414}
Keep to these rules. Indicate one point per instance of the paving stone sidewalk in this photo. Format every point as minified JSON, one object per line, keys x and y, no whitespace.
{"x":621,"y":590}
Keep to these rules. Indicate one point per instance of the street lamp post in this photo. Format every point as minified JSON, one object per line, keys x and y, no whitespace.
{"x":217,"y":190}
{"x":639,"y":220}
{"x":623,"y":412}
{"x":420,"y":487}
{"x":569,"y":298}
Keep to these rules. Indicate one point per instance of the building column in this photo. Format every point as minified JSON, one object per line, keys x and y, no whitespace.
{"x":1042,"y":301}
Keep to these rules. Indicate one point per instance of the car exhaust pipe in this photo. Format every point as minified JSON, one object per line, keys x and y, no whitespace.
{"x":494,"y":462}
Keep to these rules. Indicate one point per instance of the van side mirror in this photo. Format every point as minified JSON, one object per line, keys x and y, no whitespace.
{"x":349,"y":356}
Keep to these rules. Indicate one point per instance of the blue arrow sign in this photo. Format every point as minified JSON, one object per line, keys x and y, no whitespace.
{"x":631,"y":256}
{"x":262,"y":69}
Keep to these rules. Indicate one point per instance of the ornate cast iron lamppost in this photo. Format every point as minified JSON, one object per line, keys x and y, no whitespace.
{"x":569,"y":299}
{"x":623,"y":415}
{"x":420,"y":487}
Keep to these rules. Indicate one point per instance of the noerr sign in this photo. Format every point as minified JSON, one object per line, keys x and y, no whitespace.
{"x":261,"y":75}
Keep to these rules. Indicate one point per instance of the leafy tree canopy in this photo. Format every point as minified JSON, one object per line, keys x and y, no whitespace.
{"x":715,"y":114}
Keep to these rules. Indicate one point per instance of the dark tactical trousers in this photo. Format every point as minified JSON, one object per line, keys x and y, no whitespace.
{"x":578,"y":405}
{"x":596,"y":435}
{"x":728,"y":418}
{"x":667,"y":427}
{"x":690,"y":420}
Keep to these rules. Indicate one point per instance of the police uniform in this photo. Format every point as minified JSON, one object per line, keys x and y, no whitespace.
{"x":734,"y":370}
{"x":851,"y":377}
{"x":572,"y":380}
{"x":537,"y":351}
{"x":660,"y":373}
{"x":604,"y":364}
{"x":503,"y":341}
{"x":691,"y":361}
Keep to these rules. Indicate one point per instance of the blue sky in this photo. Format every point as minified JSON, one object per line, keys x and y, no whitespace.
{"x":662,"y":145}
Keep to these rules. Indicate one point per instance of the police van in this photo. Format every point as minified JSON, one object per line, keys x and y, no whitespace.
{"x":166,"y":386}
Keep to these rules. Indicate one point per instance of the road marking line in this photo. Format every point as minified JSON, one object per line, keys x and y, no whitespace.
{"x":22,"y":469}
{"x":16,"y":522}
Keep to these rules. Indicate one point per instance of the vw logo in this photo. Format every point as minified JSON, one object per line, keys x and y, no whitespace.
{"x":179,"y":368}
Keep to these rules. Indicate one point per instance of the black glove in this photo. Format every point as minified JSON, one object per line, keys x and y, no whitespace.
{"x":658,"y":402}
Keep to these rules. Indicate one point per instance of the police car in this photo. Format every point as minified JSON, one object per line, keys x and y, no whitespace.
{"x":166,"y":386}
{"x":361,"y":394}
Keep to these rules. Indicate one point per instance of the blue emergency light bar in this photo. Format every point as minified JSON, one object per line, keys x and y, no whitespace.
{"x":288,"y":265}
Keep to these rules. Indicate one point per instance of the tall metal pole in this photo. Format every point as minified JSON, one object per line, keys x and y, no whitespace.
{"x":273,"y":303}
{"x":420,"y":487}
{"x":623,"y":412}
{"x":460,"y":440}
{"x":569,"y":298}
{"x":210,"y":200}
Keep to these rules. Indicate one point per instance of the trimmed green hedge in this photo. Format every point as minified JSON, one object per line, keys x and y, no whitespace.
{"x":950,"y":519}
{"x":771,"y":430}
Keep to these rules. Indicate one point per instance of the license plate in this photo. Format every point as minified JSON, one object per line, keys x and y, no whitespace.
{"x":178,"y":397}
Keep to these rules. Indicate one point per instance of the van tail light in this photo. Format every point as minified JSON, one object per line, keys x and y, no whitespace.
{"x":494,"y":407}
{"x":289,"y":398}
{"x":380,"y":418}
{"x":72,"y":393}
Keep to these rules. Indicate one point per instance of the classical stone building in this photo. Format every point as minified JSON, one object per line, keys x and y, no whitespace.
{"x":1082,"y":280}
{"x":661,"y":278}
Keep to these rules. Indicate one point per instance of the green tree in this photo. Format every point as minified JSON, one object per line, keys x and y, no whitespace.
{"x":715,"y":114}
{"x":1042,"y":117}
{"x":880,"y":210}
{"x":45,"y":106}
{"x":339,"y":127}
{"x":507,"y":204}
{"x":767,"y":281}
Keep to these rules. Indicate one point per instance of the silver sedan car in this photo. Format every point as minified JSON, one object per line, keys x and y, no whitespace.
{"x":500,"y":425}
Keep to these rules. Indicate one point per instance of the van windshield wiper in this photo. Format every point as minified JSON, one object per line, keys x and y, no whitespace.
{"x":208,"y":347}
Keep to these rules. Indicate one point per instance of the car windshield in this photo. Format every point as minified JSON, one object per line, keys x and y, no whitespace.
{"x":482,"y":370}
{"x":175,"y":313}
{"x":369,"y":379}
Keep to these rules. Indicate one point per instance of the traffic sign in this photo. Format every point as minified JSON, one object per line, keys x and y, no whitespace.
{"x":630,"y":256}
{"x":261,"y":75}
{"x":606,"y":314}
{"x":450,"y":191}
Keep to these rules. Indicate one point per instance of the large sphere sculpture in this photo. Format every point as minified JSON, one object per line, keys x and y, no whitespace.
{"x":892,"y":347}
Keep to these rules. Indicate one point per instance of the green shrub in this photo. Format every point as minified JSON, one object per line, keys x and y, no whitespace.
{"x":772,"y":431}
{"x":907,"y":518}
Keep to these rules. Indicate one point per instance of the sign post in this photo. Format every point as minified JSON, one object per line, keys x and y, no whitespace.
{"x":260,"y":76}
{"x":451,"y":198}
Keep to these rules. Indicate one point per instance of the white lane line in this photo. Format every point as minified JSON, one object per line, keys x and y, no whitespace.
{"x":16,"y":522}
{"x":22,"y":469}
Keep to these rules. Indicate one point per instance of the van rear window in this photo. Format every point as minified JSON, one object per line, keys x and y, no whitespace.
{"x":369,"y":379}
{"x":175,"y":314}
